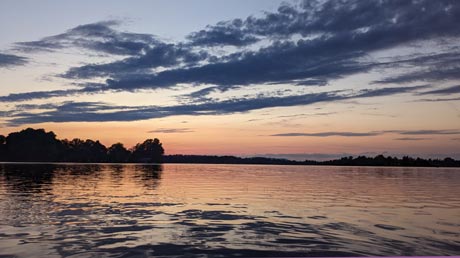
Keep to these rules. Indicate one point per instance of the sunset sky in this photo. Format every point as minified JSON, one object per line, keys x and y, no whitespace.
{"x":294,"y":79}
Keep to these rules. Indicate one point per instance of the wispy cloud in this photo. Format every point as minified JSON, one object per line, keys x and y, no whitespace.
{"x":328,"y":134}
{"x":8,"y":60}
{"x":446,"y":91}
{"x":412,"y":139}
{"x":375,"y":133}
{"x":172,"y":130}
{"x":438,"y":99}
{"x":308,"y":44}
{"x":98,"y":37}
{"x":91,"y":111}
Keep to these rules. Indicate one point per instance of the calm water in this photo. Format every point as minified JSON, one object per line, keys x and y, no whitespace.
{"x":227,"y":210}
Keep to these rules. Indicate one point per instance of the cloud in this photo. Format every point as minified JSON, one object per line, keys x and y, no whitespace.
{"x":438,"y":100}
{"x":309,"y":43}
{"x":276,"y":63}
{"x":102,"y":112}
{"x":172,"y":130}
{"x":445,"y":91}
{"x":432,"y":67}
{"x":328,"y":134}
{"x":99,"y":37}
{"x":223,"y":33}
{"x":306,"y":45}
{"x":7,"y":60}
{"x":160,"y":55}
{"x":25,"y":96}
{"x":375,"y":133}
{"x":412,"y":139}
{"x":428,"y":132}
{"x":390,"y":91}
{"x":383,"y":23}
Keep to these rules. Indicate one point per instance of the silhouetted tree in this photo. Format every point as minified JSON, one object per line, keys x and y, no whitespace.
{"x":3,"y":148}
{"x":118,"y":153}
{"x":78,"y":150}
{"x":38,"y":145}
{"x":148,"y":151}
{"x":32,"y":145}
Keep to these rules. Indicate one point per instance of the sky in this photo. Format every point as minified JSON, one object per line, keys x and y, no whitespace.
{"x":291,"y":79}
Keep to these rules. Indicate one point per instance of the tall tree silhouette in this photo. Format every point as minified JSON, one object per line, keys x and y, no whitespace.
{"x":118,"y":153}
{"x":32,"y":145}
{"x":78,"y":150}
{"x":3,"y":148}
{"x":148,"y":151}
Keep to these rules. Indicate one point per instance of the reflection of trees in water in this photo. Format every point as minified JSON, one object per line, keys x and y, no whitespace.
{"x":116,"y":172}
{"x":28,"y":192}
{"x":148,"y":176}
{"x":28,"y":178}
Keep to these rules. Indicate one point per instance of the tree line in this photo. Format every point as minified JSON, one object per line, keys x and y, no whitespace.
{"x":378,"y":160}
{"x":37,"y":145}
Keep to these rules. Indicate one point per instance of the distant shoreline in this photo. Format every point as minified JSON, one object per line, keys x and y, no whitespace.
{"x":39,"y":146}
{"x":361,"y":161}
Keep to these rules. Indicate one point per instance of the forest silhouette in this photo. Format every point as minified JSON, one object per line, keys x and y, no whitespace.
{"x":37,"y":145}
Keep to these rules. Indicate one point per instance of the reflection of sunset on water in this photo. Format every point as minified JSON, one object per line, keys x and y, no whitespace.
{"x":238,"y":206}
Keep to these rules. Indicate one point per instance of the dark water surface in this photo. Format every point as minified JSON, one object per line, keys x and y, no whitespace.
{"x":227,"y":210}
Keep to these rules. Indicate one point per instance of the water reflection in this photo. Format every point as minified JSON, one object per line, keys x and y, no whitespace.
{"x":30,"y":179}
{"x":224,"y":210}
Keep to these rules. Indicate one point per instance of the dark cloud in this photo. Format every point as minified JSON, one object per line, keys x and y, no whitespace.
{"x":7,"y":60}
{"x":412,"y":139}
{"x":432,"y":67}
{"x":223,"y":33}
{"x":445,"y":91}
{"x":328,"y":134}
{"x":101,"y":112}
{"x":393,"y":22}
{"x":435,"y":73}
{"x":438,"y":100}
{"x":429,"y":132}
{"x":375,"y":133}
{"x":334,"y":37}
{"x":172,"y":130}
{"x":100,"y":37}
{"x":17,"y":97}
{"x":390,"y":91}
{"x":277,"y":63}
{"x":160,"y":55}
{"x":306,"y":45}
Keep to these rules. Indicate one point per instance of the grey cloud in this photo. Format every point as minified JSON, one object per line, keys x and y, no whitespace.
{"x":328,"y":134}
{"x":438,"y":100}
{"x":435,"y":73}
{"x":430,"y":132}
{"x":172,"y":130}
{"x":98,"y":36}
{"x":412,"y":139}
{"x":17,"y":97}
{"x":445,"y":91}
{"x":277,"y":63}
{"x":91,"y":111}
{"x":8,"y":60}
{"x":160,"y":55}
{"x":336,"y":34}
{"x":223,"y":33}
{"x":390,"y":91}
{"x":399,"y":21}
{"x":375,"y":133}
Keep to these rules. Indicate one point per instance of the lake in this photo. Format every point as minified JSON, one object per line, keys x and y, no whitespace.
{"x":91,"y":210}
